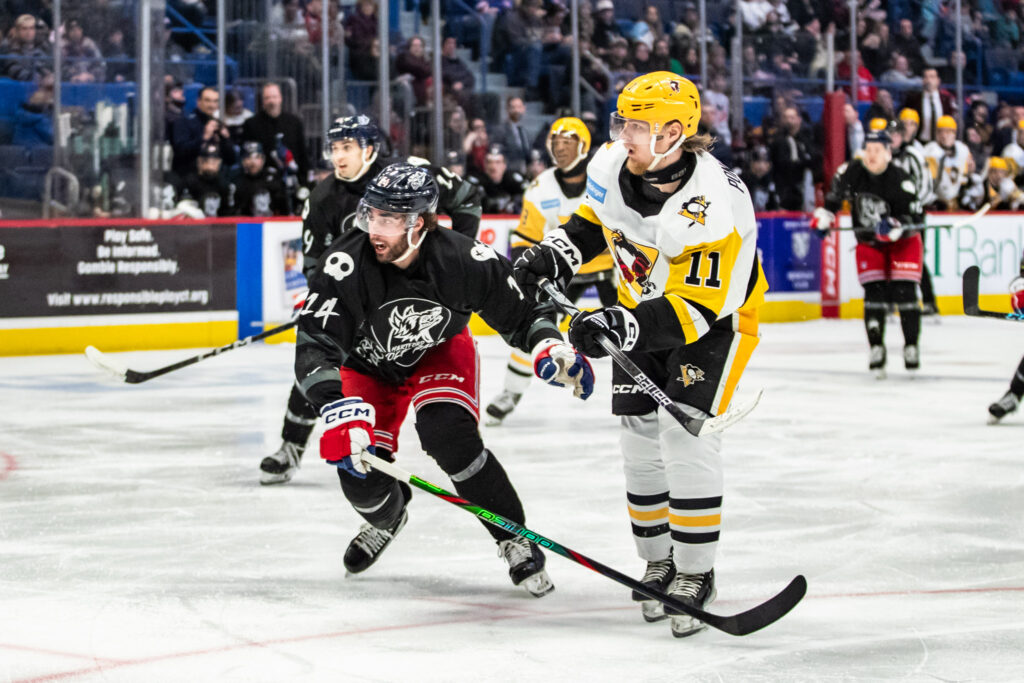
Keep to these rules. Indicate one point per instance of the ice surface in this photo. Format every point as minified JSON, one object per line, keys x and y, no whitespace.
{"x":137,"y":545}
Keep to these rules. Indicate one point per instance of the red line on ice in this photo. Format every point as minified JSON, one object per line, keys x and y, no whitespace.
{"x":9,"y":465}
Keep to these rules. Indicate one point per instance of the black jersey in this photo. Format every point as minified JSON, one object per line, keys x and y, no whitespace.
{"x":211,"y":193}
{"x":380,"y":320}
{"x":891,"y":194}
{"x":330,"y":210}
{"x":262,"y":194}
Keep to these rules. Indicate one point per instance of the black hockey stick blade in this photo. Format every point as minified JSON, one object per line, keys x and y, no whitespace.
{"x":971,"y":277}
{"x":740,"y":624}
{"x":129,"y":376}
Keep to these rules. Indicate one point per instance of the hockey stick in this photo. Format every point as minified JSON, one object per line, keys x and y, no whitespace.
{"x":104,"y":362}
{"x":923,"y":226}
{"x":740,"y":624}
{"x":695,"y":425}
{"x":971,"y":277}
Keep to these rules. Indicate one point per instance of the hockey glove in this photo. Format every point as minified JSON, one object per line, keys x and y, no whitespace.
{"x":560,"y":365}
{"x":555,"y":258}
{"x":349,"y":433}
{"x":1017,"y":294}
{"x":616,"y":323}
{"x":822,"y":220}
{"x":888,"y":230}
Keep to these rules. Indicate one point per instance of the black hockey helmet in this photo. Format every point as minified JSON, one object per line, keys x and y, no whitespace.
{"x":878,"y":136}
{"x":360,"y":128}
{"x":400,"y":189}
{"x":252,"y":148}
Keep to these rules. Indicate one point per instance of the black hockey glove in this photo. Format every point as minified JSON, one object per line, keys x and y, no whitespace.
{"x":555,"y":258}
{"x":616,"y":323}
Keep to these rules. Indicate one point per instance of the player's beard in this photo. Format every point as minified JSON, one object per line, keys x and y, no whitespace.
{"x":393,"y":252}
{"x":635,"y":167}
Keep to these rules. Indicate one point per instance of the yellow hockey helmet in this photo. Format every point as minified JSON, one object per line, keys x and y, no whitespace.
{"x":878,"y":124}
{"x":570,"y":125}
{"x":659,"y":98}
{"x":946,"y":122}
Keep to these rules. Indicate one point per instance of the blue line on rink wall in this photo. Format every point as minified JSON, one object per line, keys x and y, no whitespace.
{"x":249,"y":283}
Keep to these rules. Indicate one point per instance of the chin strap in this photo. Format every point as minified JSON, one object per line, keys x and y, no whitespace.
{"x":659,"y":157}
{"x":412,"y":247}
{"x":671,"y":173}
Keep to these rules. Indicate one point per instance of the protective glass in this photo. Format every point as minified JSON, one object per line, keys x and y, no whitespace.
{"x":379,"y":222}
{"x":631,"y":131}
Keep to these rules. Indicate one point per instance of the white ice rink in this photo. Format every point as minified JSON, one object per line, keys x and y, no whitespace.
{"x":137,"y":545}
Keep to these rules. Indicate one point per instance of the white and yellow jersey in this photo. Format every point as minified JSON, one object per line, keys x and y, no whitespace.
{"x":545,"y":208}
{"x":948,"y":168}
{"x":699,"y":251}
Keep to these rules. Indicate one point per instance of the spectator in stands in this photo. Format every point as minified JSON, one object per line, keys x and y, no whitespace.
{"x":874,"y":46}
{"x":199,"y":130}
{"x":617,"y":59}
{"x":662,"y":59}
{"x":257,"y":188}
{"x":413,"y":61}
{"x":33,"y":121}
{"x":235,"y":114}
{"x":755,"y":13}
{"x":455,"y":131}
{"x":906,"y":43}
{"x":715,"y":101}
{"x":882,"y":107}
{"x":475,"y":146}
{"x":641,"y":57}
{"x":757,"y":176}
{"x":795,"y":160}
{"x":288,"y":24}
{"x":866,"y":92}
{"x":502,"y":187}
{"x":535,"y":165}
{"x":207,"y":185}
{"x":899,"y":73}
{"x":605,"y":27}
{"x":1015,"y":150}
{"x":931,"y":103}
{"x":1006,"y":120}
{"x":978,"y":120}
{"x":653,"y":25}
{"x":315,"y":22}
{"x":522,"y":30}
{"x":174,"y":104}
{"x":83,"y":62}
{"x":455,"y":73}
{"x":281,"y":133}
{"x":512,"y":135}
{"x":24,"y":59}
{"x":120,"y":64}
{"x":854,"y":131}
{"x":360,"y":32}
{"x":809,"y":45}
{"x":455,"y":162}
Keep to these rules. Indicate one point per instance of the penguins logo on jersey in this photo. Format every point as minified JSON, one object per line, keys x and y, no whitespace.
{"x":696,"y":209}
{"x":634,"y":264}
{"x":690,"y":374}
{"x":870,"y":209}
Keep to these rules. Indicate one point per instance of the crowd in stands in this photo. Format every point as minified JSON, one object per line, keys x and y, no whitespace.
{"x":905,"y":50}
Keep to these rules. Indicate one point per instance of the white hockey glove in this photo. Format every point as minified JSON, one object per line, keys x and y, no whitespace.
{"x":349,"y":434}
{"x":561,"y":365}
{"x":822,"y":220}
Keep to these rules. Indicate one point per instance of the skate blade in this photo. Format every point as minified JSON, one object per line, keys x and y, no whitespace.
{"x":879,"y":373}
{"x":538,"y":585}
{"x":271,"y":479}
{"x":993,"y":420}
{"x":493,"y":421}
{"x":653,"y":611}
{"x":683,"y":626}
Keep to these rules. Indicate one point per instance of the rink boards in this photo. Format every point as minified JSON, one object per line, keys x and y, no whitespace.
{"x":122,"y":284}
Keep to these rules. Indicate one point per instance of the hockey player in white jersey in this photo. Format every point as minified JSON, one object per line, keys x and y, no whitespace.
{"x":548,"y":202}
{"x":681,"y":228}
{"x":950,"y":163}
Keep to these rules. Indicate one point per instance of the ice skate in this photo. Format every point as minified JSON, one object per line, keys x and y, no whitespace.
{"x":658,"y":577}
{"x":369,"y":543}
{"x":282,"y":465}
{"x":876,"y":361}
{"x":526,"y":566}
{"x":1003,"y":407}
{"x":696,"y":590}
{"x":501,"y":407}
{"x":911,"y":357}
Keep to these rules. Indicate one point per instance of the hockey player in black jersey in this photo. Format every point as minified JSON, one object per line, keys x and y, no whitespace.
{"x":1011,"y":399}
{"x":258,"y":188}
{"x":208,"y":186}
{"x":882,"y":197}
{"x":384,"y":326}
{"x":353,"y":146}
